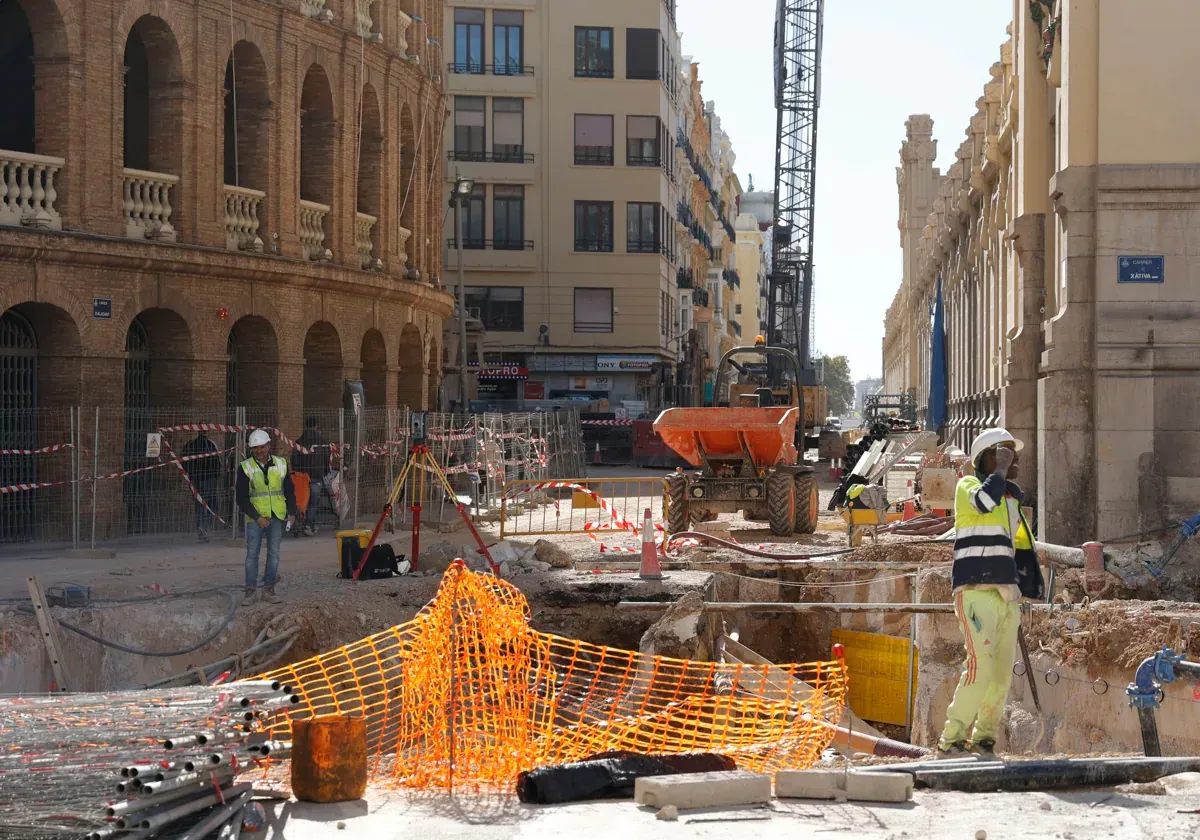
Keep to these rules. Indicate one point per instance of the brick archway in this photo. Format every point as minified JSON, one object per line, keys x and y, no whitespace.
{"x":322,"y":367}
{"x":373,"y":359}
{"x":252,"y":373}
{"x":411,"y":386}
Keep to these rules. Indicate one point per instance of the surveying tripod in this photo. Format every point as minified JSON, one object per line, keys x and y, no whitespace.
{"x":420,"y":461}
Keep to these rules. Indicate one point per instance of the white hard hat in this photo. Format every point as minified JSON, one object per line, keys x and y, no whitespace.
{"x":989,"y":438}
{"x":259,"y":438}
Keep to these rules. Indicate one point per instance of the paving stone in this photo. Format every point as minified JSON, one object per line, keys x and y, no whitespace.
{"x":808,"y":784}
{"x":703,"y":790}
{"x":879,"y":787}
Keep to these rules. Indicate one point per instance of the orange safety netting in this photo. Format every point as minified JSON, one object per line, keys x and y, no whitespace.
{"x":468,"y":694}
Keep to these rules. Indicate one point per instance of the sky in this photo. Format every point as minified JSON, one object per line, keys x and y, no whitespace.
{"x":883,"y":60}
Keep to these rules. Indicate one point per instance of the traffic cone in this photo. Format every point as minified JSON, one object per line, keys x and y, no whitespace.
{"x":651,"y":568}
{"x":596,"y":454}
{"x":910,"y":510}
{"x":834,"y":472}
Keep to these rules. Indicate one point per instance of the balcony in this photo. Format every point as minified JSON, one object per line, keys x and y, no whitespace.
{"x":27,"y":192}
{"x":147,"y":205}
{"x":497,"y":254}
{"x":515,"y":155}
{"x":594,"y":246}
{"x":700,"y":298}
{"x":593,"y":156}
{"x":364,"y":224}
{"x":241,"y":218}
{"x":684,"y":278}
{"x":312,"y":231}
{"x":497,"y":79}
{"x":643,"y":160}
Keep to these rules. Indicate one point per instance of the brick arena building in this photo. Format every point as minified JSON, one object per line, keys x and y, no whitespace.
{"x":210,"y":204}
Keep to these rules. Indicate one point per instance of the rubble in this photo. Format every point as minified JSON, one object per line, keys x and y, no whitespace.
{"x":548,"y":552}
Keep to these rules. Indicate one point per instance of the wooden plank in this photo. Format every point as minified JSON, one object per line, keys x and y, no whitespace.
{"x":49,"y":628}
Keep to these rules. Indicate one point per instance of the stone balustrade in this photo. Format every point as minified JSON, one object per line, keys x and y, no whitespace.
{"x":404,"y":23}
{"x":241,"y":218}
{"x":362,"y":18}
{"x":27,"y":192}
{"x":312,"y":230}
{"x":147,"y":205}
{"x":363,"y":226}
{"x":316,"y":10}
{"x":403,"y":235}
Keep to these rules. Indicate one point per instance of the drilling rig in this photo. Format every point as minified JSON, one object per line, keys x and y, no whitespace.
{"x":798,"y":36}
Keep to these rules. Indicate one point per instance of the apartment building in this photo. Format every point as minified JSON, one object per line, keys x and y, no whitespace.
{"x":584,"y":237}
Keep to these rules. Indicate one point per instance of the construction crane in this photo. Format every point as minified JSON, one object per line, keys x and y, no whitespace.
{"x":798,"y":36}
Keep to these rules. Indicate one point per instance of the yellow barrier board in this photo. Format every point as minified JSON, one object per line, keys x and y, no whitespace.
{"x":878,"y":669}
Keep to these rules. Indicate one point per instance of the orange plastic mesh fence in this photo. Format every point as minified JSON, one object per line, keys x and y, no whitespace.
{"x":468,"y":695}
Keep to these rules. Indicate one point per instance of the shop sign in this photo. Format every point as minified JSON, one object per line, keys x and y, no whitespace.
{"x":592,"y":383}
{"x":504,"y":372}
{"x":625,"y":363}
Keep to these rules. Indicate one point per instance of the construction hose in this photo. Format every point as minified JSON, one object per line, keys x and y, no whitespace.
{"x":163,"y":654}
{"x":755,"y":552}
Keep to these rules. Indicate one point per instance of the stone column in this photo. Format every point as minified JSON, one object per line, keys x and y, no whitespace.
{"x":1018,"y":398}
{"x":1066,"y":421}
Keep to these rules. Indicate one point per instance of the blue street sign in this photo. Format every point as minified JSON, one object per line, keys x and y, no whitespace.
{"x":1141,"y":269}
{"x":102,"y":309}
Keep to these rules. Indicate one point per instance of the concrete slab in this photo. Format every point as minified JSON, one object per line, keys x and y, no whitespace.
{"x":808,"y":784}
{"x":703,"y":790}
{"x":879,"y":787}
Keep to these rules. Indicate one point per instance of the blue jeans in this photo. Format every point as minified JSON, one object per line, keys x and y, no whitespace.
{"x":254,"y":540}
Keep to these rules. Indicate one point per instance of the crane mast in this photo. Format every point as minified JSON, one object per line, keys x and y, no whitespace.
{"x":798,"y":35}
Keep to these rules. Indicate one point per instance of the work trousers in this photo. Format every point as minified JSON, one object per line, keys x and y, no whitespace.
{"x":989,"y":625}
{"x":254,"y":540}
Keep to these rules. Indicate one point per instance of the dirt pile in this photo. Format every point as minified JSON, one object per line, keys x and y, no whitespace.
{"x":902,"y":552}
{"x":1120,"y":633}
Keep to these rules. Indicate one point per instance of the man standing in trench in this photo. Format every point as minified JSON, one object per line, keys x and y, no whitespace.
{"x":265,"y":494}
{"x":995,"y":565}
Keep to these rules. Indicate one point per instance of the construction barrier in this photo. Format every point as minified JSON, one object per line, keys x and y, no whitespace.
{"x":467,"y":695}
{"x":82,"y":477}
{"x":579,"y":506}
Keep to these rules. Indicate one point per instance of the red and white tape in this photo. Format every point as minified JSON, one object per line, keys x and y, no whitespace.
{"x":605,"y":422}
{"x":45,"y":450}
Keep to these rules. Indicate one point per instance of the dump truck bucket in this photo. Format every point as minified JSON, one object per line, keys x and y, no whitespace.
{"x":767,"y":434}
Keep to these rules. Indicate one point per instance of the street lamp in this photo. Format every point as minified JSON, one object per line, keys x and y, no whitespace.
{"x":463,"y":187}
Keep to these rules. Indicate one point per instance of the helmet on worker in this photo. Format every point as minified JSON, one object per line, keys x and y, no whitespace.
{"x":989,"y":439}
{"x":259,"y":438}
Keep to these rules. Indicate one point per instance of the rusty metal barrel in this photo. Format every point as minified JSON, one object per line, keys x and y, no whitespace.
{"x":329,"y":759}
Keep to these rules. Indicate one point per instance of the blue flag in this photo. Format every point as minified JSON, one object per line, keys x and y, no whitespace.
{"x":935,"y":415}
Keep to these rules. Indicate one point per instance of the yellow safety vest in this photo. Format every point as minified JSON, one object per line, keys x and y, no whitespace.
{"x":266,"y":492}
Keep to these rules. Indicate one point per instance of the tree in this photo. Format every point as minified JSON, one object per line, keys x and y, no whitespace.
{"x":839,"y":383}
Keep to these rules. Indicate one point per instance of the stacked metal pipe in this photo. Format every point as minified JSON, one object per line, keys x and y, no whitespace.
{"x":139,"y":764}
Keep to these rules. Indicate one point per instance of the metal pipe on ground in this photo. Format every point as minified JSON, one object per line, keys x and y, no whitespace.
{"x":1051,"y":775}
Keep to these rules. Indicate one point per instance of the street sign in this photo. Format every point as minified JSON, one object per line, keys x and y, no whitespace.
{"x":1141,"y":269}
{"x":102,"y":309}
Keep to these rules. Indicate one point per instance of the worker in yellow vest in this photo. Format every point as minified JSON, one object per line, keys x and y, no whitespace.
{"x":995,"y":565}
{"x":265,"y":494}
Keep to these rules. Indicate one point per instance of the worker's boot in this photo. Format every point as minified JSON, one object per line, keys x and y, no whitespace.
{"x":985,"y":748}
{"x":201,"y":535}
{"x":956,"y":750}
{"x":269,"y":596}
{"x":248,"y":597}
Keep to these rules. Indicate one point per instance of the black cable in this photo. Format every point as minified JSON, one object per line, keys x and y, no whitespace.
{"x":166,"y":654}
{"x":1137,"y":537}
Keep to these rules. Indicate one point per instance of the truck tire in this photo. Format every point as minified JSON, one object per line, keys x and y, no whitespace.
{"x":781,"y":504}
{"x":808,"y":504}
{"x":677,"y":504}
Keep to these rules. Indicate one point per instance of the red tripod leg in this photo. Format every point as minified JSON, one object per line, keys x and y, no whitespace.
{"x":416,"y":534}
{"x":483,"y":548}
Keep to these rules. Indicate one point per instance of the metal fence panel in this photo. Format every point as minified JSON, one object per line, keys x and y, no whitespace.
{"x":39,"y":462}
{"x":599,"y":506}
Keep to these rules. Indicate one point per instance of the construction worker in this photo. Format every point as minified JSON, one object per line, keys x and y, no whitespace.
{"x":265,"y":494}
{"x":314,"y":465}
{"x":202,"y":471}
{"x":994,"y":566}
